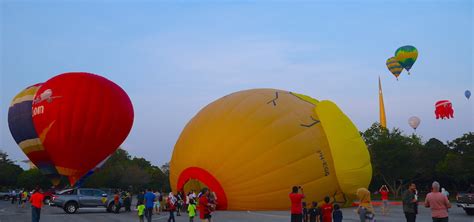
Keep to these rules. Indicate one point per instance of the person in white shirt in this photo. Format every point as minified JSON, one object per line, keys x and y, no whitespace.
{"x":156,"y":203}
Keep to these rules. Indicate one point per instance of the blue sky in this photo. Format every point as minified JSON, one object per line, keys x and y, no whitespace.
{"x":175,"y":57}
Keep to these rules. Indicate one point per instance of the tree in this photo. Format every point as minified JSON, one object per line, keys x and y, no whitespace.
{"x":393,"y":157}
{"x":121,"y":171}
{"x":31,"y":178}
{"x":9,"y":171}
{"x":432,"y":153}
{"x":166,"y":169}
{"x":458,"y":164}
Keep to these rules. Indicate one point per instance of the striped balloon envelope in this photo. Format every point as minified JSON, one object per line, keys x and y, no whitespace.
{"x":394,"y":66}
{"x":23,"y":131}
{"x":406,"y":56}
{"x":251,"y":147}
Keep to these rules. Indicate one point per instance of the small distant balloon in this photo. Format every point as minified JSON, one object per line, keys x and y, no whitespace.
{"x":414,"y":122}
{"x":467,"y":94}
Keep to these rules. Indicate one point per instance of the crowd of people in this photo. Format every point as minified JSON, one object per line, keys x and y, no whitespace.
{"x":22,"y":196}
{"x":205,"y":202}
{"x":437,"y":200}
{"x":149,"y":203}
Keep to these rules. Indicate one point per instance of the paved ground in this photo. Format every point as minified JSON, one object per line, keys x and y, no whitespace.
{"x":12,"y":213}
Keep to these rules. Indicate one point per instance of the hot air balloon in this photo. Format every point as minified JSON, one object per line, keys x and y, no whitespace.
{"x":414,"y":122}
{"x":92,"y":171}
{"x":394,"y":66}
{"x":81,"y":118}
{"x":23,"y":131}
{"x":252,"y":146}
{"x":467,"y":93}
{"x":406,"y":56}
{"x":444,"y":109}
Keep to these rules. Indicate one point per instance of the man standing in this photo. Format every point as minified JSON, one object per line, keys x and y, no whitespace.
{"x":438,"y":203}
{"x":296,"y":204}
{"x":410,"y":203}
{"x":13,"y":196}
{"x":149,"y":199}
{"x":36,"y":204}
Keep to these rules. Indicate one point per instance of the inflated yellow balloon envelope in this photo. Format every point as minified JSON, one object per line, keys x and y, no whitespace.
{"x":252,"y":146}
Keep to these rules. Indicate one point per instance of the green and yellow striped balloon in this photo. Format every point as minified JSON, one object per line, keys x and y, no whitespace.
{"x":394,"y":66}
{"x":406,"y":56}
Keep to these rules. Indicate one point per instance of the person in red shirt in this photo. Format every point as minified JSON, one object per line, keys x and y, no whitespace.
{"x":384,"y":192}
{"x":36,"y":203}
{"x":117,"y":202}
{"x":326,"y":209}
{"x":296,"y":204}
{"x":204,"y":206}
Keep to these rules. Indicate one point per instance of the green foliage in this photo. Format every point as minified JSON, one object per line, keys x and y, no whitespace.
{"x":399,"y":159}
{"x":29,"y":179}
{"x":121,"y":171}
{"x":9,"y":171}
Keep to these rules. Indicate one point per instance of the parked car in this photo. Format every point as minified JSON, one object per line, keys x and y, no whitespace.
{"x":466,"y":201}
{"x":5,"y":195}
{"x":72,"y":199}
{"x":48,"y":195}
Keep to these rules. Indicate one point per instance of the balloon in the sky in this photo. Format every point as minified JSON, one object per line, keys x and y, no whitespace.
{"x":444,"y":109}
{"x":467,"y":93}
{"x":394,"y":66}
{"x":252,"y":146}
{"x":23,"y":131}
{"x":406,"y":56}
{"x":81,"y":118}
{"x":414,"y":122}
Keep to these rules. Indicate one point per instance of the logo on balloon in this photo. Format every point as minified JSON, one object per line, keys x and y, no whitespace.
{"x":47,"y":95}
{"x":325,"y":163}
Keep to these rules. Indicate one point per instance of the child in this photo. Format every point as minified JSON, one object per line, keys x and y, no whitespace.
{"x":365,"y":209}
{"x":337,"y":213}
{"x":141,"y":210}
{"x":326,"y":210}
{"x":305,"y":212}
{"x":314,"y":213}
{"x":191,"y":210}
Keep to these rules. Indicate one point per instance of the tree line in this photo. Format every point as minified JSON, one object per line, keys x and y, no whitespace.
{"x":120,"y":171}
{"x":397,"y":159}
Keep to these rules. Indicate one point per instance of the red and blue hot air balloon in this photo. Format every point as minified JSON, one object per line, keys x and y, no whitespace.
{"x":82,"y":119}
{"x":23,"y":131}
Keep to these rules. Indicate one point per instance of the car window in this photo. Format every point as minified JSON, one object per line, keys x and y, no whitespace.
{"x":87,"y":192}
{"x":68,"y":192}
{"x":98,"y":193}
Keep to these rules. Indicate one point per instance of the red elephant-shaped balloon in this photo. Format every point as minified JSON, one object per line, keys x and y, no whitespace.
{"x":444,"y":109}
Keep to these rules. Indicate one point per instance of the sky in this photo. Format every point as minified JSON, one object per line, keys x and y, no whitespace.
{"x":175,"y":57}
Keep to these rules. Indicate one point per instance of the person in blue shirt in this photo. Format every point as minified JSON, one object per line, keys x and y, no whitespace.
{"x":149,"y":199}
{"x":337,"y":213}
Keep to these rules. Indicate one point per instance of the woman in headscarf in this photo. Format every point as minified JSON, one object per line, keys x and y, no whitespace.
{"x":171,"y":202}
{"x":366,"y":210}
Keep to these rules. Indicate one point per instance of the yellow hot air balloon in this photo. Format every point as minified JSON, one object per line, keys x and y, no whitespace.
{"x":252,"y":146}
